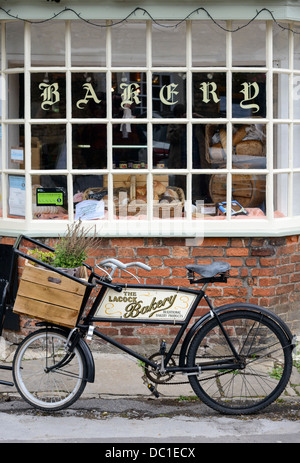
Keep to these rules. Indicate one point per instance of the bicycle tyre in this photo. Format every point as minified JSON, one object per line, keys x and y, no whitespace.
{"x":56,"y":389}
{"x":267,"y":354}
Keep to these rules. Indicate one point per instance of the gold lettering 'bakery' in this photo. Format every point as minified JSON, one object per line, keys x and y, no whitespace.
{"x":134,"y":309}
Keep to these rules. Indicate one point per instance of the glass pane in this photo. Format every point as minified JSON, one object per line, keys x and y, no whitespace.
{"x":1,"y":206}
{"x":48,"y":95}
{"x":249,"y":146}
{"x":129,"y":94}
{"x":129,"y":146}
{"x":15,"y":100}
{"x":296,"y":47}
{"x":16,"y":203}
{"x":14,"y":34}
{"x":169,"y":193}
{"x":89,"y":146}
{"x":249,"y":44}
{"x":48,"y":147}
{"x":128,"y":44}
{"x":248,"y":190}
{"x":280,"y":47}
{"x":88,"y":95}
{"x":296,"y":97}
{"x":281,"y":183}
{"x":296,"y":144}
{"x":281,"y":96}
{"x":203,"y":204}
{"x":52,"y":32}
{"x":129,"y":195}
{"x":15,"y":147}
{"x":248,"y":94}
{"x":169,"y":146}
{"x":296,"y":194}
{"x":88,"y":44}
{"x":169,"y":94}
{"x":209,"y":94}
{"x":209,"y":146}
{"x":169,"y":45}
{"x":43,"y":210}
{"x":208,"y":44}
{"x":90,"y":196}
{"x":281,"y":146}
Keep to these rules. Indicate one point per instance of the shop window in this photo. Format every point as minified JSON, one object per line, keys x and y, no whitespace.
{"x":150,"y":123}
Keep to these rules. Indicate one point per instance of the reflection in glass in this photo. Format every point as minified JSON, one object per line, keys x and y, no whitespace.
{"x":296,"y":194}
{"x":43,"y":54}
{"x":129,"y":95}
{"x":208,"y":44}
{"x":88,"y":95}
{"x":89,"y":146}
{"x":14,"y":37}
{"x":48,"y":144}
{"x":50,"y":183}
{"x":48,"y":95}
{"x":128,"y":44}
{"x":296,"y":144}
{"x":169,"y":146}
{"x":88,"y":44}
{"x":280,"y":96}
{"x":90,"y":196}
{"x":281,"y":146}
{"x":281,"y":188}
{"x":249,"y":44}
{"x":168,"y":45}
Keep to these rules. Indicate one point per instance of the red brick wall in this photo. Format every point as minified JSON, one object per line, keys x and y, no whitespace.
{"x":264,"y":271}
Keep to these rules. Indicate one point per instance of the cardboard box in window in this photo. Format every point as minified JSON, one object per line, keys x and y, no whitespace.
{"x":46,"y":295}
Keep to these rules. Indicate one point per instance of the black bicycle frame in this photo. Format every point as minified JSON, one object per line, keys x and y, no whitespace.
{"x":90,"y":318}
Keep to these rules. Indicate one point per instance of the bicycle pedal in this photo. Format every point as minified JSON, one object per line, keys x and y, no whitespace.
{"x":153,"y":390}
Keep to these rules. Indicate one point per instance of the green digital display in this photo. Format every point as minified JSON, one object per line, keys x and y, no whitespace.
{"x":49,"y":197}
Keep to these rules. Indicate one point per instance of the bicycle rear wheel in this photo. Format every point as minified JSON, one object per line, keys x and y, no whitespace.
{"x":265,"y":351}
{"x":49,"y":390}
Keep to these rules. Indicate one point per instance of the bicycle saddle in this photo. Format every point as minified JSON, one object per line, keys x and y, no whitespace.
{"x":211,"y":270}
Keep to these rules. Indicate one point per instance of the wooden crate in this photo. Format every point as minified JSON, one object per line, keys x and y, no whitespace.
{"x":46,"y":295}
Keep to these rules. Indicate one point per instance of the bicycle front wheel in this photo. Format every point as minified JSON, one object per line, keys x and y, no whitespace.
{"x":262,"y":346}
{"x":43,"y":387}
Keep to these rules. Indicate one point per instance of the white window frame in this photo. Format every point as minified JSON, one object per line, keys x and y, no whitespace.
{"x":268,"y":226}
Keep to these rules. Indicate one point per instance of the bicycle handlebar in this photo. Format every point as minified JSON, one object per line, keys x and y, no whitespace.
{"x":123,"y":266}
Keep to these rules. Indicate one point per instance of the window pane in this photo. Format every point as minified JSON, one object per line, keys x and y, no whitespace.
{"x":129,"y":146}
{"x":208,"y":44}
{"x":129,"y":94}
{"x":249,"y":44}
{"x":169,"y":146}
{"x":48,"y":147}
{"x":248,"y":95}
{"x":209,"y":94}
{"x":48,"y":95}
{"x":280,"y":47}
{"x":281,"y":183}
{"x":281,"y":96}
{"x":169,"y":95}
{"x":249,"y":146}
{"x":55,"y":183}
{"x":296,"y":194}
{"x":88,"y":95}
{"x":296,"y":47}
{"x":89,"y":146}
{"x":16,"y":196}
{"x":169,"y":193}
{"x":15,"y":146}
{"x":90,"y":196}
{"x":296,"y":144}
{"x":42,"y":35}
{"x":14,"y":34}
{"x":201,"y":198}
{"x":281,"y":146}
{"x":128,"y":43}
{"x":168,"y":45}
{"x":88,"y":44}
{"x":15,"y":100}
{"x":296,"y":97}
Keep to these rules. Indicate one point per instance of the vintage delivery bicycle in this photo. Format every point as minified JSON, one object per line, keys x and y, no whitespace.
{"x":237,"y":357}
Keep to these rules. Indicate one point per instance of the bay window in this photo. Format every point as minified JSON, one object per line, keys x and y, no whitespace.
{"x":150,"y":130}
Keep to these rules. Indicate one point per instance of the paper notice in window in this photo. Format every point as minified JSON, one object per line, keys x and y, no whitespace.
{"x":89,"y":210}
{"x":16,"y":199}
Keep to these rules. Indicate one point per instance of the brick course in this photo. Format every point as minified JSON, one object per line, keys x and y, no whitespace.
{"x":265,"y":271}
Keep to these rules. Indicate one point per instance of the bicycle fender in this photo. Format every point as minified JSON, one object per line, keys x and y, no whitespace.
{"x":90,"y":364}
{"x":228,"y":308}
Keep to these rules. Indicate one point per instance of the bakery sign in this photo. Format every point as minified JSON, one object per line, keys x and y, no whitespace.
{"x":146,"y":304}
{"x":168,"y":94}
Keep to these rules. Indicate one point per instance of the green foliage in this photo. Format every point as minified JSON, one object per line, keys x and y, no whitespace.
{"x":43,"y":256}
